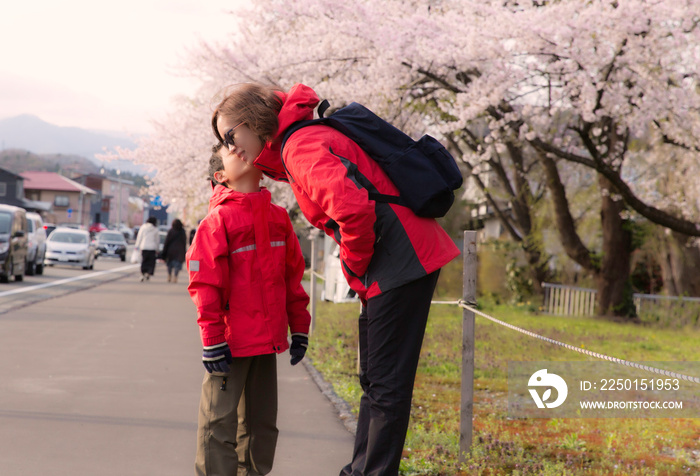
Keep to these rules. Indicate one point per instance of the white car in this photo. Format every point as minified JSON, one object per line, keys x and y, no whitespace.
{"x":36,"y":244}
{"x":68,"y":246}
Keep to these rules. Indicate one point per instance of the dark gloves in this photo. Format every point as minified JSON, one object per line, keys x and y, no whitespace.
{"x":217,"y":357}
{"x":298,"y":348}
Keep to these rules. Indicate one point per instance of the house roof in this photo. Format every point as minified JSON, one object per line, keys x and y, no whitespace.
{"x":53,"y":181}
{"x":10,"y":173}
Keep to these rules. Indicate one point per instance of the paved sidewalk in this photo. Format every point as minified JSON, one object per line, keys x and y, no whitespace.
{"x":106,"y":382}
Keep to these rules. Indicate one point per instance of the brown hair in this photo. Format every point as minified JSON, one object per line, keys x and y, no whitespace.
{"x":253,"y":104}
{"x":216,"y":163}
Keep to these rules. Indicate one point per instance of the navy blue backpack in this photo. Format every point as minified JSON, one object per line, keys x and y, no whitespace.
{"x":424,"y":171}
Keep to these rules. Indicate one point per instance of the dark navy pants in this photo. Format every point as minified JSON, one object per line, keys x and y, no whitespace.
{"x":148,"y":262}
{"x":391,"y":327}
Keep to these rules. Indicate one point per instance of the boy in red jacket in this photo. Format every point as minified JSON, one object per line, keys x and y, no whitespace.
{"x":245,"y":266}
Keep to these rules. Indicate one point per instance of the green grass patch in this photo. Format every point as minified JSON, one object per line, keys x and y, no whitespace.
{"x":605,"y":446}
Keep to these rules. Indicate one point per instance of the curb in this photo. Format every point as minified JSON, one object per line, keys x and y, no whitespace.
{"x":341,"y":406}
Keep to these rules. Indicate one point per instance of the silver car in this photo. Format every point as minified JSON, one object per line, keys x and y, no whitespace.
{"x":111,"y":244}
{"x":36,"y":244}
{"x":68,"y":246}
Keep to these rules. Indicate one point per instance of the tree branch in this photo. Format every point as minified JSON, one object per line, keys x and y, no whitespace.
{"x":489,"y":198}
{"x":669,"y":140}
{"x":443,"y":82}
{"x":653,"y":214}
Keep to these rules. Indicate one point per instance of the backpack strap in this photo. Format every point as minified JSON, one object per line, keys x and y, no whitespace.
{"x":322,"y":108}
{"x":384,"y":198}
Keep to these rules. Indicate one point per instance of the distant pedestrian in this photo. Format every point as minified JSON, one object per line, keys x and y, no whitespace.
{"x":245,"y":268}
{"x":193,"y":231}
{"x":174,"y":249}
{"x":147,"y":242}
{"x":390,"y":257}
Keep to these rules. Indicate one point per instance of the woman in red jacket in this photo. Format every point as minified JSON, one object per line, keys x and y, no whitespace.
{"x":390,"y":256}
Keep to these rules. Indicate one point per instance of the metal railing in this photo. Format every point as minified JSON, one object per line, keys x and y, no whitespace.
{"x":313,"y":291}
{"x":565,"y":300}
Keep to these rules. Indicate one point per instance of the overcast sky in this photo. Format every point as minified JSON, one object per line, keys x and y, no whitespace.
{"x":101,"y":65}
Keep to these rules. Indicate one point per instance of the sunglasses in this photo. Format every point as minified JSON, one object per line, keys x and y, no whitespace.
{"x":228,"y":137}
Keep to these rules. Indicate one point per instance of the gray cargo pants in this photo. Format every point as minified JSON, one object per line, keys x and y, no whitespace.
{"x":237,"y":426}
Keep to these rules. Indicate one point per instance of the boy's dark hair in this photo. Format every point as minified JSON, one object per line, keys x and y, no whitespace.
{"x":215,"y":164}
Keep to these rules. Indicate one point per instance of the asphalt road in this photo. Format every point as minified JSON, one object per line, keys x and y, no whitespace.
{"x":100,"y":374}
{"x":58,"y":281}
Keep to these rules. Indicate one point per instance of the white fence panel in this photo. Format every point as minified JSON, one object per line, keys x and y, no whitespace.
{"x":568,"y":300}
{"x":565,"y":300}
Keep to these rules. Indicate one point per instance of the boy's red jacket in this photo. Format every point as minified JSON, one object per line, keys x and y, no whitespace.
{"x":382,"y":246}
{"x":245,"y":266}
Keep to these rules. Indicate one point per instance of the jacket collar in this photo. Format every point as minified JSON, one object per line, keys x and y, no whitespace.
{"x":221,"y":194}
{"x":298,"y":105}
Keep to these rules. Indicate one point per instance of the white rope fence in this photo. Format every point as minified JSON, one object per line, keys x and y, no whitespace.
{"x":635,"y":365}
{"x":467,"y":362}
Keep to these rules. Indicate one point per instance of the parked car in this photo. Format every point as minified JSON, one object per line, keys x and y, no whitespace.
{"x":48,"y":228}
{"x":36,"y":247}
{"x":68,"y":246}
{"x":112,"y":244}
{"x":13,"y":242}
{"x":75,"y":226}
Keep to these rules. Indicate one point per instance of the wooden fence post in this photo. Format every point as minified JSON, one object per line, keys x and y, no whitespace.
{"x":469,"y":297}
{"x":312,"y":293}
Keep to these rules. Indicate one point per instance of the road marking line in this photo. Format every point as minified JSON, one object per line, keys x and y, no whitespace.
{"x":66,"y":280}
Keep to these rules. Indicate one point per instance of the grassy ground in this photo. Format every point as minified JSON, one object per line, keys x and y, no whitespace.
{"x":502,"y":446}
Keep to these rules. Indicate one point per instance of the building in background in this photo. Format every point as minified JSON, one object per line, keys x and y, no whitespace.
{"x":70,"y":200}
{"x":113,"y":203}
{"x":12,"y":193}
{"x":11,"y":188}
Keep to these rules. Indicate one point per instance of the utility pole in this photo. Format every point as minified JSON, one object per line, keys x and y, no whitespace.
{"x":119,"y":210}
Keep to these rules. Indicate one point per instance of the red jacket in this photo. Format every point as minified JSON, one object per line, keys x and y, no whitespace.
{"x":382,"y":246}
{"x":245,"y":267}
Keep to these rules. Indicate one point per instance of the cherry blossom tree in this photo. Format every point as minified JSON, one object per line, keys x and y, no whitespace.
{"x":590,"y":90}
{"x":575,"y":81}
{"x":515,"y":88}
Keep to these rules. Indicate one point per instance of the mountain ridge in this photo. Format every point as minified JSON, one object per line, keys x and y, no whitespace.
{"x":30,"y":133}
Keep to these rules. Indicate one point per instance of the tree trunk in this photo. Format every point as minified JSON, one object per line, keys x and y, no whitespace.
{"x":679,"y":258}
{"x":568,"y":236}
{"x":614,"y":288}
{"x":538,"y":266}
{"x":522,"y":202}
{"x":520,"y":197}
